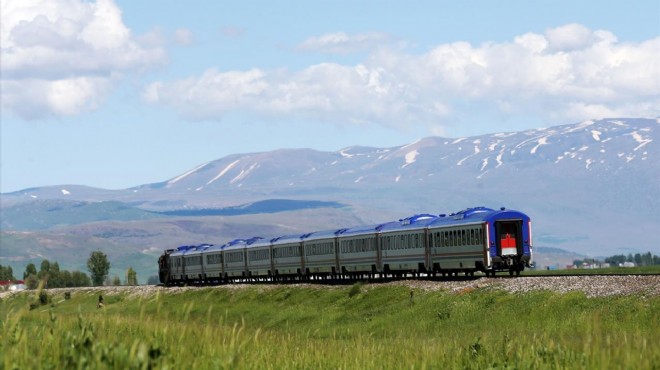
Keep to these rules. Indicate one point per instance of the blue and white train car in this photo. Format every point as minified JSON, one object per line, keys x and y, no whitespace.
{"x":213,"y":266}
{"x":320,"y":253}
{"x":176,"y":263}
{"x":193,"y":263}
{"x":259,"y":258}
{"x":234,"y":259}
{"x":358,"y":250}
{"x":481,"y":239}
{"x":287,"y":255}
{"x":403,"y":245}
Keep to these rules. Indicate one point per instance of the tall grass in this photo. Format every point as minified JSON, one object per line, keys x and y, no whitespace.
{"x":357,"y":327}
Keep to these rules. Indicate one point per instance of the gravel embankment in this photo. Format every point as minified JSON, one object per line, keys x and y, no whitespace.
{"x":592,"y":286}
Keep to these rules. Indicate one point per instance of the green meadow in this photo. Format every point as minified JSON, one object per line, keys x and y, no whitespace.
{"x":319,"y":327}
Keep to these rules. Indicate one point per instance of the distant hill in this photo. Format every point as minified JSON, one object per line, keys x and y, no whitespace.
{"x":590,"y":188}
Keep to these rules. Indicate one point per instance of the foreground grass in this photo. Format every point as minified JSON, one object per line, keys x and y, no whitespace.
{"x":350,"y":327}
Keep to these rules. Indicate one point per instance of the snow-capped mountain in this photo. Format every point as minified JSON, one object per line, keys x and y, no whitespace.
{"x":592,"y":187}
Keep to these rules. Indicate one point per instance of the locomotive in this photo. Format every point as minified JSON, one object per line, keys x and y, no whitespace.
{"x":474,"y":239}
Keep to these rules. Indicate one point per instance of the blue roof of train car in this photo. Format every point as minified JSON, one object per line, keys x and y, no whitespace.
{"x":324,"y":234}
{"x":234,"y":244}
{"x":477,"y":214}
{"x":195,"y":249}
{"x":292,"y":238}
{"x":359,"y":230}
{"x":468,"y":215}
{"x":182,"y":250}
{"x":413,"y":222}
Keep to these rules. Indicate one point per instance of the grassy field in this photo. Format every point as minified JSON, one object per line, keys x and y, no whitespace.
{"x":354,"y":327}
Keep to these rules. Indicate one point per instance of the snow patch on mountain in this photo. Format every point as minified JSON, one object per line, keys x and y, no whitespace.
{"x":539,"y":142}
{"x":410,"y":157}
{"x":499,"y":159}
{"x":224,"y":171}
{"x":641,"y":140}
{"x":345,"y":154}
{"x":580,"y":126}
{"x":179,"y":178}
{"x":476,"y":151}
{"x":244,"y":173}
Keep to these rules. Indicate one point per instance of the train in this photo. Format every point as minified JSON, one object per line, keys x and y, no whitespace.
{"x":471,"y":240}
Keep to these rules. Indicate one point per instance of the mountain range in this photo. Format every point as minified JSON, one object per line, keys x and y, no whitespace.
{"x":591,"y":188}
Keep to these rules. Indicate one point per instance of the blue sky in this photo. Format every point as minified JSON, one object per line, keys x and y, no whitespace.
{"x":115,"y":94}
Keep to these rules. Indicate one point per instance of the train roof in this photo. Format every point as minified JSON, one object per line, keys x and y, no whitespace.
{"x":360,"y":230}
{"x":418,"y":221}
{"x":283,"y":239}
{"x":196,"y":249}
{"x":182,"y":250}
{"x":476,"y":214}
{"x":242,"y":243}
{"x":234,"y":244}
{"x":323,"y":234}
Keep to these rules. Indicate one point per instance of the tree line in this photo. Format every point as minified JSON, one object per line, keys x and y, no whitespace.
{"x":646,"y":259}
{"x":53,"y":277}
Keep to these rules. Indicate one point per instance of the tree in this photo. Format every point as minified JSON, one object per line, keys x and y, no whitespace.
{"x":44,"y":270}
{"x":31,"y":281}
{"x":79,"y":278}
{"x":616,"y":260}
{"x":98,"y":267}
{"x":116,"y":281}
{"x":6,"y":273}
{"x":131,"y":277}
{"x":55,"y":276}
{"x":30,"y":269}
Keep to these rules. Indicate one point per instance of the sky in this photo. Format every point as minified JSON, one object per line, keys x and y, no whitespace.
{"x":115,"y":94}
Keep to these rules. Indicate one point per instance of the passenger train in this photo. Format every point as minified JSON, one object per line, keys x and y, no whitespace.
{"x":474,"y":239}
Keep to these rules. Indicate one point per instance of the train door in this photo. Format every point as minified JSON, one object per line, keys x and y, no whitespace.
{"x":509,"y":237}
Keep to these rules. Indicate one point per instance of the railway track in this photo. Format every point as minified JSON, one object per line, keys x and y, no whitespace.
{"x":594,"y":285}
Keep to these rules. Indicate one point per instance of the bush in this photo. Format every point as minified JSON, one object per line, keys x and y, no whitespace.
{"x":355,"y":289}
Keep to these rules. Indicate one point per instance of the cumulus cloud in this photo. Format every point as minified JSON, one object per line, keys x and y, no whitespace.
{"x":62,"y":57}
{"x":567,"y":73}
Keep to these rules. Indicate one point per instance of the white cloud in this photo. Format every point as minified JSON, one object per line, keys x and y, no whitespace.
{"x":343,"y":43}
{"x":61,"y":57}
{"x":232,"y":32}
{"x":183,"y":37}
{"x":545,"y":76}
